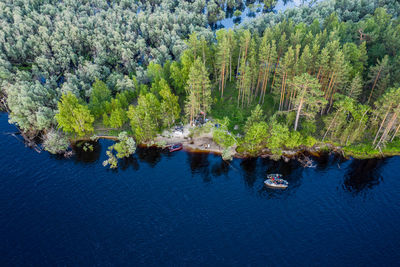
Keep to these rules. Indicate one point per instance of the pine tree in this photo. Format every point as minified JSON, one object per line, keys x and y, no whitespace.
{"x":223,"y":57}
{"x":337,"y":121}
{"x":354,"y":89}
{"x":309,"y":98}
{"x":267,"y":60}
{"x":169,"y":106}
{"x":387,"y":111}
{"x":283,"y":74}
{"x":306,"y":63}
{"x":257,"y":115}
{"x":244,"y":75}
{"x":378,"y":76}
{"x":199,"y":91}
{"x":337,"y":76}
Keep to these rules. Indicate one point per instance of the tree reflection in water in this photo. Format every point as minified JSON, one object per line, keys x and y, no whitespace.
{"x":363,"y":175}
{"x":327,"y":160}
{"x":150,"y":155}
{"x":291,"y":171}
{"x":92,"y":153}
{"x":249,"y":166}
{"x":199,"y":164}
{"x":221,"y":167}
{"x":131,"y":161}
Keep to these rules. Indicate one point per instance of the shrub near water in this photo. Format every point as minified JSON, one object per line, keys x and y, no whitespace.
{"x":125,"y":147}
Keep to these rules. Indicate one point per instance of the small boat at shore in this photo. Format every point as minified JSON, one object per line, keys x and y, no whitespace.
{"x":175,"y":147}
{"x":276,"y":181}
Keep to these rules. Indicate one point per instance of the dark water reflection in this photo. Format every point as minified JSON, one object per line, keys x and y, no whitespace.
{"x":151,"y":155}
{"x":363,"y":175}
{"x":90,"y":155}
{"x":194,"y":209}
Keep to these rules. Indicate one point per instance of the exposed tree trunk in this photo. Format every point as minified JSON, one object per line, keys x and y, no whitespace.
{"x":230,"y":65}
{"x":282,"y":93}
{"x":387,"y":129}
{"x":330,"y":125}
{"x":223,"y":81}
{"x":380,"y":127}
{"x":237,"y":68}
{"x":273,"y":79}
{"x":298,"y":113}
{"x":395,"y":133}
{"x":373,"y":86}
{"x":362,"y":117}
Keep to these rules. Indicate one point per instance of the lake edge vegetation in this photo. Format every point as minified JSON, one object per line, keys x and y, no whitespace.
{"x":288,"y":86}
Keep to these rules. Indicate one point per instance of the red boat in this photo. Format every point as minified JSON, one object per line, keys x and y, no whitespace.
{"x":175,"y":147}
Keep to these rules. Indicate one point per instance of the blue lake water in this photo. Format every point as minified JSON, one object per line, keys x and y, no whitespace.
{"x":194,"y":209}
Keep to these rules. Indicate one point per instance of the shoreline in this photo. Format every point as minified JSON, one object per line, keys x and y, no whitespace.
{"x":286,"y":155}
{"x":203,"y":143}
{"x":196,"y":145}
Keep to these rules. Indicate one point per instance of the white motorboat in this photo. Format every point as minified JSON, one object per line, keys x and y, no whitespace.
{"x":276,"y":181}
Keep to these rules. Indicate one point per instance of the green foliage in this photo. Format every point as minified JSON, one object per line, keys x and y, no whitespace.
{"x":73,"y":117}
{"x":309,"y":99}
{"x":98,"y":98}
{"x":178,"y":78}
{"x":169,"y":105}
{"x":378,"y":79}
{"x":32,"y":105}
{"x":222,"y":136}
{"x":112,"y":159}
{"x":55,"y":142}
{"x":308,"y":127}
{"x":126,"y":145}
{"x":294,"y":140}
{"x":198,"y":87}
{"x":354,"y":89}
{"x":154,"y":72}
{"x":145,"y":117}
{"x":228,"y":153}
{"x":257,"y":115}
{"x":115,"y":115}
{"x":308,"y":67}
{"x":237,"y":13}
{"x":117,"y":118}
{"x":356,"y":56}
{"x":309,"y":141}
{"x":256,"y":137}
{"x":269,"y":4}
{"x":279,"y":134}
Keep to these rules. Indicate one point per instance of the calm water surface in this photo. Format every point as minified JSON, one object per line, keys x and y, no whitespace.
{"x":194,"y":209}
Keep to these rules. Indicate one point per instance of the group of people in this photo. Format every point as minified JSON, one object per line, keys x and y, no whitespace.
{"x":277,"y":180}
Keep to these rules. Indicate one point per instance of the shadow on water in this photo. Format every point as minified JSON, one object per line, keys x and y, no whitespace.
{"x":363,"y":175}
{"x":220,"y":167}
{"x":249,"y":167}
{"x":150,"y":155}
{"x":126,"y":163}
{"x":326,"y":160}
{"x":291,"y":171}
{"x":199,"y":164}
{"x":87,"y":154}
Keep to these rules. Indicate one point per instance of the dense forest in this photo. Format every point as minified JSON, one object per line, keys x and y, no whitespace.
{"x":326,"y":72}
